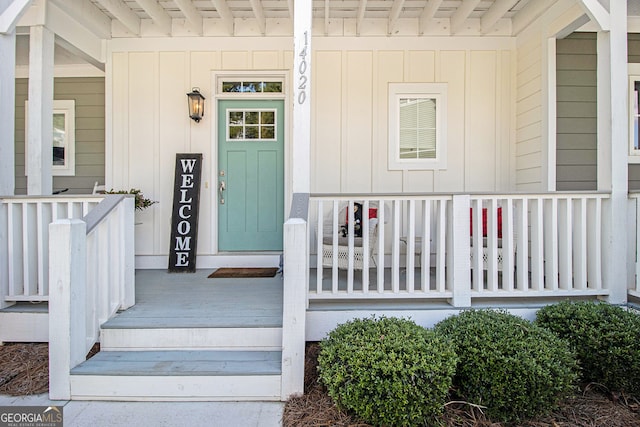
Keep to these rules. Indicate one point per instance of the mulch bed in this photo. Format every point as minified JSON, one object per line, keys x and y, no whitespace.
{"x":24,"y":368}
{"x":594,"y":407}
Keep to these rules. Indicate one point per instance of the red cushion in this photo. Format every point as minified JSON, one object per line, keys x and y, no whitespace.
{"x":373,"y":213}
{"x":484,"y":222}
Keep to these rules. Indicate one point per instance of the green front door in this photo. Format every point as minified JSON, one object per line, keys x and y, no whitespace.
{"x":250,"y":175}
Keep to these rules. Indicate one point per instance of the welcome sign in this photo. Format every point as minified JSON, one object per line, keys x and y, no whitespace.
{"x":184,"y":220}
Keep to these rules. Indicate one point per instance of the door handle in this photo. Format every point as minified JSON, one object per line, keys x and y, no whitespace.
{"x":221,"y":189}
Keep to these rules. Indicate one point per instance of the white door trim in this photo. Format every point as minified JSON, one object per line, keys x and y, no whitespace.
{"x":217,"y":95}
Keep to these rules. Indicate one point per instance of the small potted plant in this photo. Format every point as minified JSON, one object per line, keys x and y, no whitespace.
{"x":141,"y":202}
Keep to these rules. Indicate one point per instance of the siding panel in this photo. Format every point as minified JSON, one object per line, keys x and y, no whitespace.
{"x":576,"y":154}
{"x":89,"y":96}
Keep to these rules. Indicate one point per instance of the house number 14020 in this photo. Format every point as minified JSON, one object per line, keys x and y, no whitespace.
{"x":302,"y":69}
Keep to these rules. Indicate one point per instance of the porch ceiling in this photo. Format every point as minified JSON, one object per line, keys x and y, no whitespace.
{"x":128,"y":18}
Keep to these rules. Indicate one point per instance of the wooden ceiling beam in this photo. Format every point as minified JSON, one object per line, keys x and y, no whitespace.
{"x":494,"y":14}
{"x":258,"y":12}
{"x":394,"y":15}
{"x":427,"y":15}
{"x":159,"y":16}
{"x":362,"y":8}
{"x":327,"y":14}
{"x":225,"y":13}
{"x":122,"y":13}
{"x":460,"y":16}
{"x":193,"y":16}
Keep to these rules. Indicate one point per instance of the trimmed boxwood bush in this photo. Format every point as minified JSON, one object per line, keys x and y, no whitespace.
{"x":513,"y":367}
{"x":605,"y":338}
{"x":387,"y":371}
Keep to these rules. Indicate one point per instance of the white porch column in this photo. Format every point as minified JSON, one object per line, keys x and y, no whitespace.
{"x":40,"y":122}
{"x":7,"y":107}
{"x":613,"y":140}
{"x":301,"y":156}
{"x":67,"y":303}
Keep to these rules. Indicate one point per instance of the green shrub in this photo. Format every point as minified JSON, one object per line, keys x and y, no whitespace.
{"x":605,"y":338}
{"x":387,"y":371}
{"x":513,"y":367}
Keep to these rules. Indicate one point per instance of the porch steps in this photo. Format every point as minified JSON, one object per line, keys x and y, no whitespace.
{"x":189,"y":338}
{"x":178,"y":375}
{"x":115,"y":338}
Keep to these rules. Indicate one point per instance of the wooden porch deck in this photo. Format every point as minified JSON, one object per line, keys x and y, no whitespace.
{"x":191,"y":300}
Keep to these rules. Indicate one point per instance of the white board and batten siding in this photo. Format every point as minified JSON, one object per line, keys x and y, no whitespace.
{"x":349,"y":103}
{"x":350,"y":113}
{"x":150,"y":124}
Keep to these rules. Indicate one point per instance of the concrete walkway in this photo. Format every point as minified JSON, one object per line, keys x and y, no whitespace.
{"x":169,"y":414}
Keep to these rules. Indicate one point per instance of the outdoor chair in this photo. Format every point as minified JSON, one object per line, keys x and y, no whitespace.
{"x":342,"y":253}
{"x":485,"y":254}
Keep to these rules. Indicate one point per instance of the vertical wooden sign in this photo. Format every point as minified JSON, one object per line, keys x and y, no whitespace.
{"x":184,"y":220}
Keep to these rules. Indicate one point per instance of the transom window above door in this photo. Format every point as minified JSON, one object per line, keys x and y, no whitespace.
{"x":253,"y":86}
{"x":251,"y":125}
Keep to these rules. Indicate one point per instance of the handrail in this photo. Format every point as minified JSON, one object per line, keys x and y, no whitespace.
{"x":341,"y":196}
{"x":95,"y":216}
{"x":60,"y":198}
{"x":300,"y":206}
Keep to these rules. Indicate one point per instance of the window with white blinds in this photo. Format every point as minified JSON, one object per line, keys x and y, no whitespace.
{"x":417,"y":126}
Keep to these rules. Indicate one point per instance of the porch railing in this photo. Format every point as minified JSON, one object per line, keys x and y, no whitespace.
{"x":24,"y":242}
{"x":91,"y":269}
{"x":458,"y":247}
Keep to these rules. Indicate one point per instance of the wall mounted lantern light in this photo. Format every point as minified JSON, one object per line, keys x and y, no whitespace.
{"x":196,"y":104}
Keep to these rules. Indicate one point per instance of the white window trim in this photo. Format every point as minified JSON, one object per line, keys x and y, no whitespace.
{"x":68,"y":108}
{"x":437,"y":91}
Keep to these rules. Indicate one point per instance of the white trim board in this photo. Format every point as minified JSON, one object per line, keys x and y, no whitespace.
{"x":151,"y":262}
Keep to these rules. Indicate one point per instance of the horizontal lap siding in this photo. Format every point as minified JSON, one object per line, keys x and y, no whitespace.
{"x":88,"y":93}
{"x":576,"y":153}
{"x":528,"y":144}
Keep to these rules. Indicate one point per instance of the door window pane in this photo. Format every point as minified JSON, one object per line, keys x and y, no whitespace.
{"x":251,"y":125}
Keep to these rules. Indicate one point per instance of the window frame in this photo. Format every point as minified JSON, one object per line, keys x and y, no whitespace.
{"x":68,"y":109}
{"x":436,"y":91}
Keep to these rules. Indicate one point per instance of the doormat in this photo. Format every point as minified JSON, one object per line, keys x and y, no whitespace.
{"x":243,"y":272}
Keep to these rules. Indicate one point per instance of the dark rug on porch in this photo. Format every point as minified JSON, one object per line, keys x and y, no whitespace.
{"x":243,"y":272}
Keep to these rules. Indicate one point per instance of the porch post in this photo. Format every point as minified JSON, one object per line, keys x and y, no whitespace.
{"x":7,"y":107}
{"x":40,"y":122}
{"x":301,"y":156}
{"x":458,"y":260}
{"x":613,"y":140}
{"x":67,"y":303}
{"x":294,"y":306}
